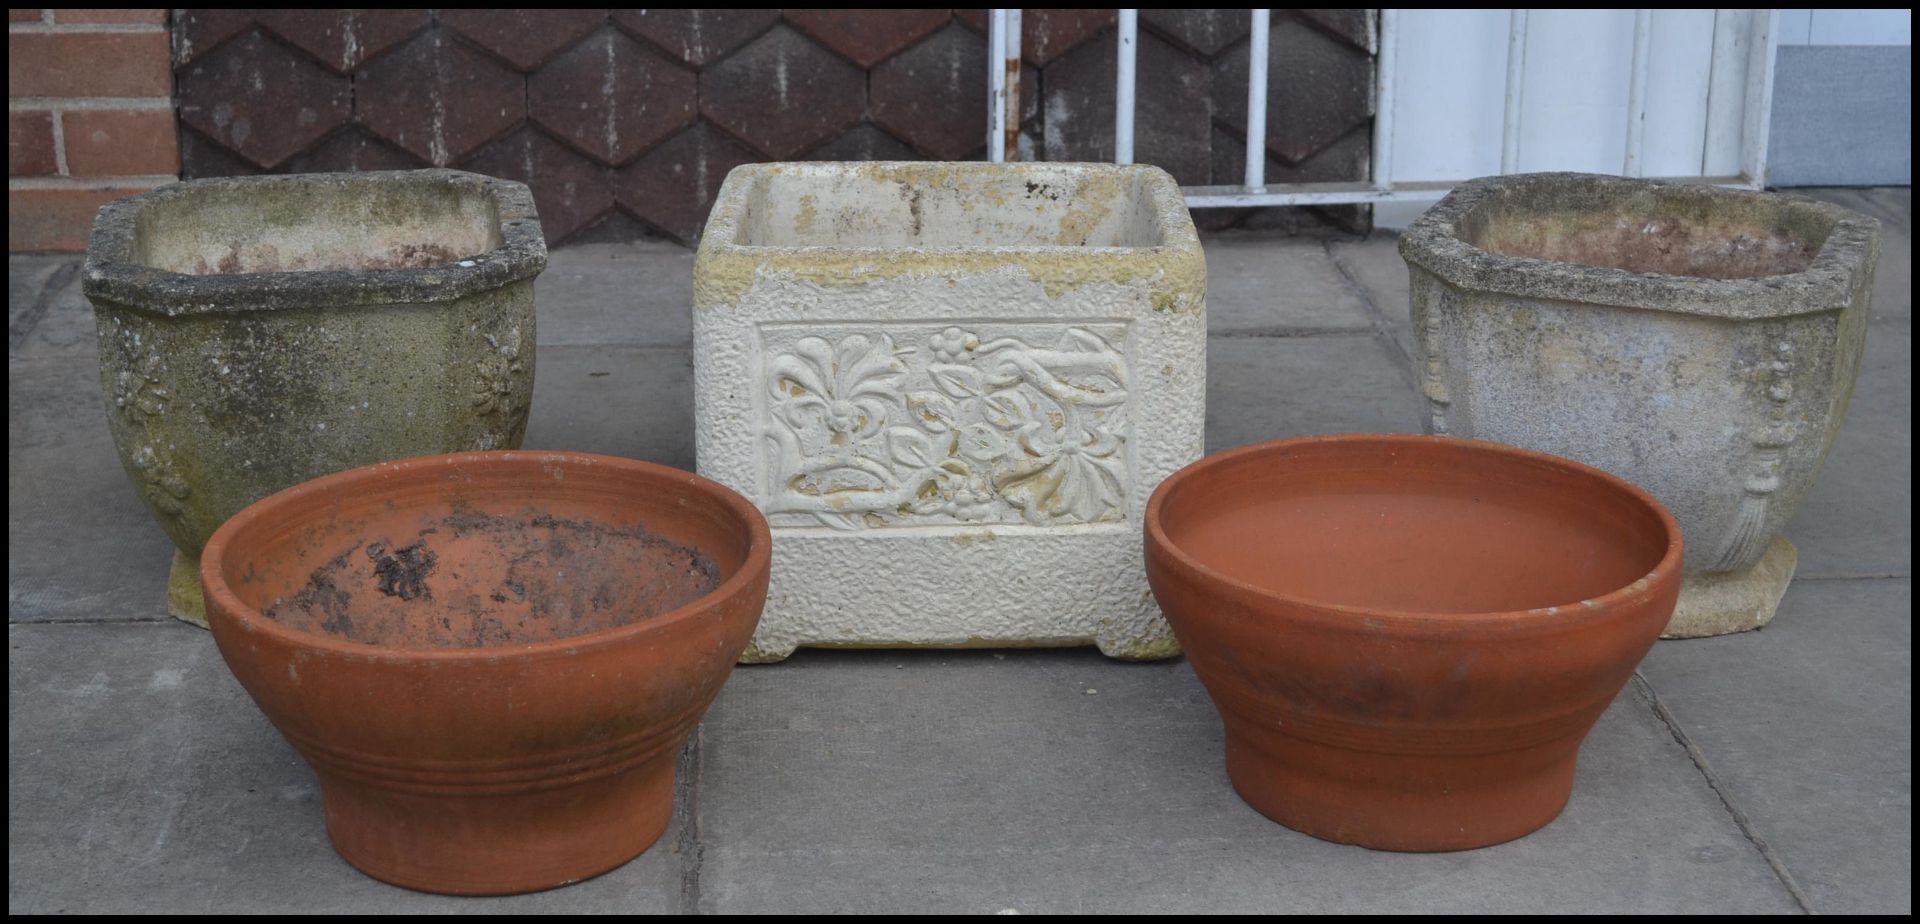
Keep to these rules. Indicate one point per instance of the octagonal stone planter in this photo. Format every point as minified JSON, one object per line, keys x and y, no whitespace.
{"x":951,"y":388}
{"x":258,"y":332}
{"x":1700,"y":342}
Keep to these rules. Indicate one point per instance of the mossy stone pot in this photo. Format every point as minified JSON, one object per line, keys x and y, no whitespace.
{"x":491,"y":660}
{"x":1700,"y":342}
{"x":257,"y":332}
{"x":1408,"y":637}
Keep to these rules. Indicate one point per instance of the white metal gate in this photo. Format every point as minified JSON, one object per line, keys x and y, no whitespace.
{"x":1755,"y":37}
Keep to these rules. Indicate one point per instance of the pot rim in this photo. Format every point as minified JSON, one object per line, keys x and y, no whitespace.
{"x":1558,"y":615}
{"x":723,"y":227}
{"x":1435,"y":243}
{"x":756,"y":566}
{"x":111,"y":274}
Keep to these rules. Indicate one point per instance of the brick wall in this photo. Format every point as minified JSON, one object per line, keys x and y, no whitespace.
{"x":624,"y":122}
{"x":89,"y":119}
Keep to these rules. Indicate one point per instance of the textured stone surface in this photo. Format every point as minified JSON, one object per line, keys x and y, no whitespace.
{"x":257,"y":357}
{"x":833,"y":389}
{"x":1701,"y":343}
{"x":1720,"y":603}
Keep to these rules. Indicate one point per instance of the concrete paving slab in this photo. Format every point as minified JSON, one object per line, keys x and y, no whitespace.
{"x":1060,"y":782}
{"x":1265,"y":388}
{"x":1263,"y":284}
{"x":1808,"y":726}
{"x":80,"y":544}
{"x":142,"y":779}
{"x":620,"y":400}
{"x":1858,"y":519}
{"x":46,"y":315}
{"x":631,"y":294}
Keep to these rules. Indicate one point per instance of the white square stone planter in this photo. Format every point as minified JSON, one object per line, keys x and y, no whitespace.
{"x":1700,"y":342}
{"x":951,"y":388}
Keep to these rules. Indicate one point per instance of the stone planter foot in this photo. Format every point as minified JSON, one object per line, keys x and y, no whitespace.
{"x":184,"y":599}
{"x":1722,"y":603}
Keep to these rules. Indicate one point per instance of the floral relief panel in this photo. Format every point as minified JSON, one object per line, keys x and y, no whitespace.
{"x":945,"y":424}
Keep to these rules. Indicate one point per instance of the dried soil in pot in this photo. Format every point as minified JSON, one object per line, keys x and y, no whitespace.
{"x":1408,"y":637}
{"x":491,"y":660}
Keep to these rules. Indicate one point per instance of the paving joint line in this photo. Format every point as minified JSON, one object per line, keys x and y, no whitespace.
{"x":19,"y":331}
{"x":1382,"y":325}
{"x":86,"y":621}
{"x":686,"y":807}
{"x":1740,"y":820}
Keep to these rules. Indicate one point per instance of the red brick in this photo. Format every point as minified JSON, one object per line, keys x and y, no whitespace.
{"x":75,"y":64}
{"x":24,"y":15}
{"x":56,"y":219}
{"x":115,"y":142}
{"x":30,"y":144}
{"x":111,"y":17}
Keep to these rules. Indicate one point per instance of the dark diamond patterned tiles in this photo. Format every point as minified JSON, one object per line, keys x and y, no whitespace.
{"x":864,"y":142}
{"x":625,"y":121}
{"x":935,"y":95}
{"x":525,"y":39}
{"x":612,"y":97}
{"x":783,"y":94}
{"x":1328,"y":88}
{"x":868,"y":37}
{"x":569,"y":190}
{"x":438,"y":98}
{"x":672,"y":186}
{"x":260,"y":101}
{"x":697,"y":37}
{"x":1171,"y":118}
{"x":1204,"y":32}
{"x":342,"y":40}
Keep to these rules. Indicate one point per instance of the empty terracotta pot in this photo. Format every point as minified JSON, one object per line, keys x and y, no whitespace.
{"x":490,"y":659}
{"x":1407,"y":637}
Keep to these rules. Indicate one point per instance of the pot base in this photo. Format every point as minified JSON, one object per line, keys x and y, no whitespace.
{"x":497,"y":843}
{"x":1734,"y":601}
{"x":1401,"y":802}
{"x":185,"y":601}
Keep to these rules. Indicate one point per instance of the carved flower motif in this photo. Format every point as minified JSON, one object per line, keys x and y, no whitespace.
{"x":161,"y":483}
{"x":848,"y":386}
{"x":493,"y":391}
{"x":998,"y":431}
{"x":953,"y":343}
{"x":137,"y":394}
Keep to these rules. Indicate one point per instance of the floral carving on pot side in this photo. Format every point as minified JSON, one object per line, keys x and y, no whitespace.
{"x":978,"y":425}
{"x":161,"y":483}
{"x":137,"y":392}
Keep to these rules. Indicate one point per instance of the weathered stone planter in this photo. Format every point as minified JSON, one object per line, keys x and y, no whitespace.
{"x":259,"y":332}
{"x":1700,"y":342}
{"x":951,"y":388}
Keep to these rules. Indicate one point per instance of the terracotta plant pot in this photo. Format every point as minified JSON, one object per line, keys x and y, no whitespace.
{"x":1408,"y":636}
{"x":490,"y":659}
{"x":1702,"y":343}
{"x":256,"y":332}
